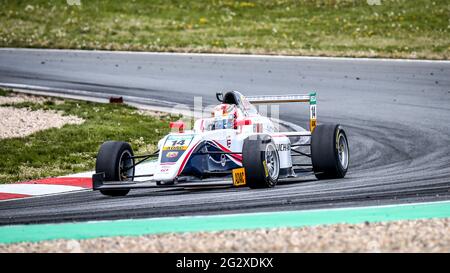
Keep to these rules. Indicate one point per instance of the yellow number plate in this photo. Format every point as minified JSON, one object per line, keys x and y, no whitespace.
{"x":239,"y":177}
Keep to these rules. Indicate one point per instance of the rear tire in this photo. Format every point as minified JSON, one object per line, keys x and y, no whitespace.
{"x":112,"y":158}
{"x":329,"y":151}
{"x":261,"y":161}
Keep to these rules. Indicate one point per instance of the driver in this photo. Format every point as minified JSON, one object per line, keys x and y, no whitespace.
{"x":224,"y":116}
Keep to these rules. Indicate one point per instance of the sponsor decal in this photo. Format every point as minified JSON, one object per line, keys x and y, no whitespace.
{"x":337,"y":139}
{"x":223,"y":160}
{"x":177,"y":142}
{"x":312,"y":125}
{"x":239,"y":177}
{"x":171,"y":154}
{"x":312,"y":117}
{"x":312,"y":98}
{"x":313,"y":111}
{"x":173,"y":148}
{"x":164,"y":170}
{"x":266,"y":171}
{"x":234,"y":156}
{"x":283,"y":147}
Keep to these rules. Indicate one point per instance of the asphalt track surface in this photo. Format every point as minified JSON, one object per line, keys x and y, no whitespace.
{"x":396,"y":114}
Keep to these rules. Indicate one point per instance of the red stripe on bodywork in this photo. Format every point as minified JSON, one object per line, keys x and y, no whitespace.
{"x":235,"y":156}
{"x":186,"y":158}
{"x":84,"y":182}
{"x":7,"y":196}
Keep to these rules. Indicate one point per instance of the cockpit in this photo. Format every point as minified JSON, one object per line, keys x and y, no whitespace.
{"x":223,"y":116}
{"x":233,"y":106}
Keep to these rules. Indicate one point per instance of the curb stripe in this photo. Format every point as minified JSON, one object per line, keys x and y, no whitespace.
{"x":7,"y":196}
{"x":43,"y":187}
{"x":82,"y":182}
{"x":86,"y":230}
{"x":57,"y":185}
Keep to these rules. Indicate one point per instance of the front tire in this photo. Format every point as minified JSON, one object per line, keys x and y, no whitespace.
{"x":329,"y":151}
{"x":113,"y":159}
{"x":261,"y":161}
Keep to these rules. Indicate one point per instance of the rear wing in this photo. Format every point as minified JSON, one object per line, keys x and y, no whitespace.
{"x":310,"y":98}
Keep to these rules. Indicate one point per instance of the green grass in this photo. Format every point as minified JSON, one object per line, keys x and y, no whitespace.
{"x":396,"y":28}
{"x":4,"y":93}
{"x":73,"y":148}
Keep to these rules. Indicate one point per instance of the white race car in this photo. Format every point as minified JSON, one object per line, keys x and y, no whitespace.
{"x":236,"y":146}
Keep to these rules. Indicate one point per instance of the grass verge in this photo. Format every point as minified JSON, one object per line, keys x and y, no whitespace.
{"x":4,"y":92}
{"x":371,"y":28}
{"x":73,"y":148}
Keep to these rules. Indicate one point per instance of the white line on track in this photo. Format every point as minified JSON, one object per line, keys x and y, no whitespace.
{"x":231,"y":55}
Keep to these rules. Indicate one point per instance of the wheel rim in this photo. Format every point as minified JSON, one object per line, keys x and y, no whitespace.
{"x":343,"y":150}
{"x":272,"y":162}
{"x":126,"y":170}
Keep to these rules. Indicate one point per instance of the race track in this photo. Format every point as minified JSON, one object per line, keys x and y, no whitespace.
{"x":396,"y":113}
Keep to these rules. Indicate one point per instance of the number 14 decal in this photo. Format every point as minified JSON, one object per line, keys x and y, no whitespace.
{"x":178,"y":142}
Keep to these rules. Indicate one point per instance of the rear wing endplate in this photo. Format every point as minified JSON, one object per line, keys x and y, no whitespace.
{"x":309,"y":98}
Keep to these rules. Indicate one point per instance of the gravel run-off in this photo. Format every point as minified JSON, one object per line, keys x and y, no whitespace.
{"x":401,"y":236}
{"x":21,"y":122}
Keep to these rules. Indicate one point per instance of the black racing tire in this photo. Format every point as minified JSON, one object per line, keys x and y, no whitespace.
{"x":330,"y":153}
{"x":256,"y":151}
{"x":110,"y":157}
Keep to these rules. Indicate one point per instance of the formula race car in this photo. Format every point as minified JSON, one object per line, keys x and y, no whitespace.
{"x":236,"y":146}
